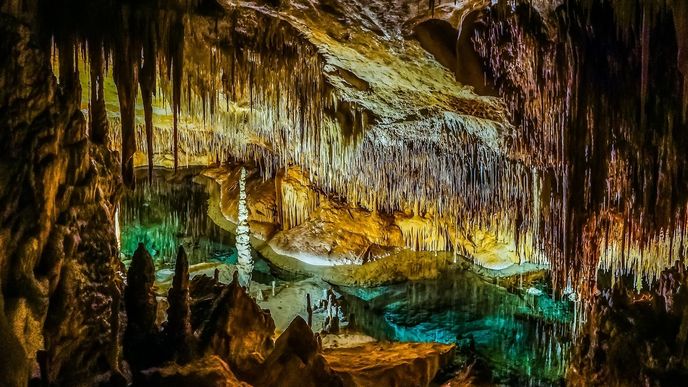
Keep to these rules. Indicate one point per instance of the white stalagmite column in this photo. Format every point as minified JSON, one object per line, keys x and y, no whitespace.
{"x":244,"y":260}
{"x":118,"y":233}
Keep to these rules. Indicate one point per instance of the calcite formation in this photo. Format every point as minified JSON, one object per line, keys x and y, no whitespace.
{"x":388,"y":364}
{"x":328,"y":231}
{"x":225,"y":332}
{"x":509,"y":131}
{"x":233,"y":345}
{"x":634,"y":339}
{"x":178,"y":328}
{"x":244,"y":258}
{"x":348,"y":93}
{"x":141,"y":337}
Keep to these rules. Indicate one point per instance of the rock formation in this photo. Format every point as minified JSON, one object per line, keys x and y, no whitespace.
{"x":208,"y":371}
{"x":391,"y":364}
{"x":238,"y":331}
{"x":141,"y":337}
{"x":636,"y":339}
{"x":58,"y":192}
{"x":244,"y":258}
{"x":178,"y":329}
{"x":569,"y":151}
{"x":296,"y":360}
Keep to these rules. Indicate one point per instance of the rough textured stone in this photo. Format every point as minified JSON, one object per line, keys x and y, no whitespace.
{"x":209,"y":371}
{"x":141,"y":335}
{"x":238,"y":331}
{"x":635,"y":338}
{"x":390,"y":364}
{"x":296,"y":360}
{"x":59,"y":288}
{"x":178,"y":329}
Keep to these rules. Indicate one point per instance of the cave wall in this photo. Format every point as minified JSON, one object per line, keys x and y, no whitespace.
{"x":59,"y":281}
{"x":596,"y":94}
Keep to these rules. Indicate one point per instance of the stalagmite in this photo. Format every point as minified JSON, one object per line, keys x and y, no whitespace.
{"x":244,"y":258}
{"x":141,"y":306}
{"x":178,"y":328}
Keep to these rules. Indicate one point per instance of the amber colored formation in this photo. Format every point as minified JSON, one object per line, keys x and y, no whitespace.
{"x":224,"y":332}
{"x":393,"y":362}
{"x":209,"y":371}
{"x":575,"y":162}
{"x":563,"y":142}
{"x":58,"y":191}
{"x":296,"y":360}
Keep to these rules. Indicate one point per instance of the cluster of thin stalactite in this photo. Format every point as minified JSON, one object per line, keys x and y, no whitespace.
{"x":599,"y":90}
{"x":592,"y":172}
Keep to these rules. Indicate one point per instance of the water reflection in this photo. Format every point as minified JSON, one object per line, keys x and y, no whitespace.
{"x":524,"y":336}
{"x":169,"y":213}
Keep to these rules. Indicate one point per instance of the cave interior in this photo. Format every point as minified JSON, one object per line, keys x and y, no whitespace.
{"x":343,"y":193}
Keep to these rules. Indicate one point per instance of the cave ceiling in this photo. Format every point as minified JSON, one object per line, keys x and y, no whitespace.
{"x":516,"y":117}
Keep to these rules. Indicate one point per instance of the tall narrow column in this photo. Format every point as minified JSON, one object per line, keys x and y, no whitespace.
{"x":244,"y":260}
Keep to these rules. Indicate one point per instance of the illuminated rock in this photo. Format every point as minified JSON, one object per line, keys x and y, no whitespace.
{"x":237,"y":330}
{"x":244,"y":259}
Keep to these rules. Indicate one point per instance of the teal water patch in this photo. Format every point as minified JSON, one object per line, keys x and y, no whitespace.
{"x":168,"y":214}
{"x":173,"y":211}
{"x":524,"y":335}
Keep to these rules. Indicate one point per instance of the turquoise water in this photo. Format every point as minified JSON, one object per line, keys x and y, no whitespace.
{"x":173,"y":211}
{"x":524,"y":336}
{"x":167,"y":214}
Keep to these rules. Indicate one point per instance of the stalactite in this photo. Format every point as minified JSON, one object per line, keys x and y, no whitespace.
{"x":69,"y":74}
{"x":574,"y":179}
{"x":609,"y":201}
{"x":97,"y":111}
{"x":147,"y":83}
{"x":177,"y":59}
{"x":125,"y":74}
